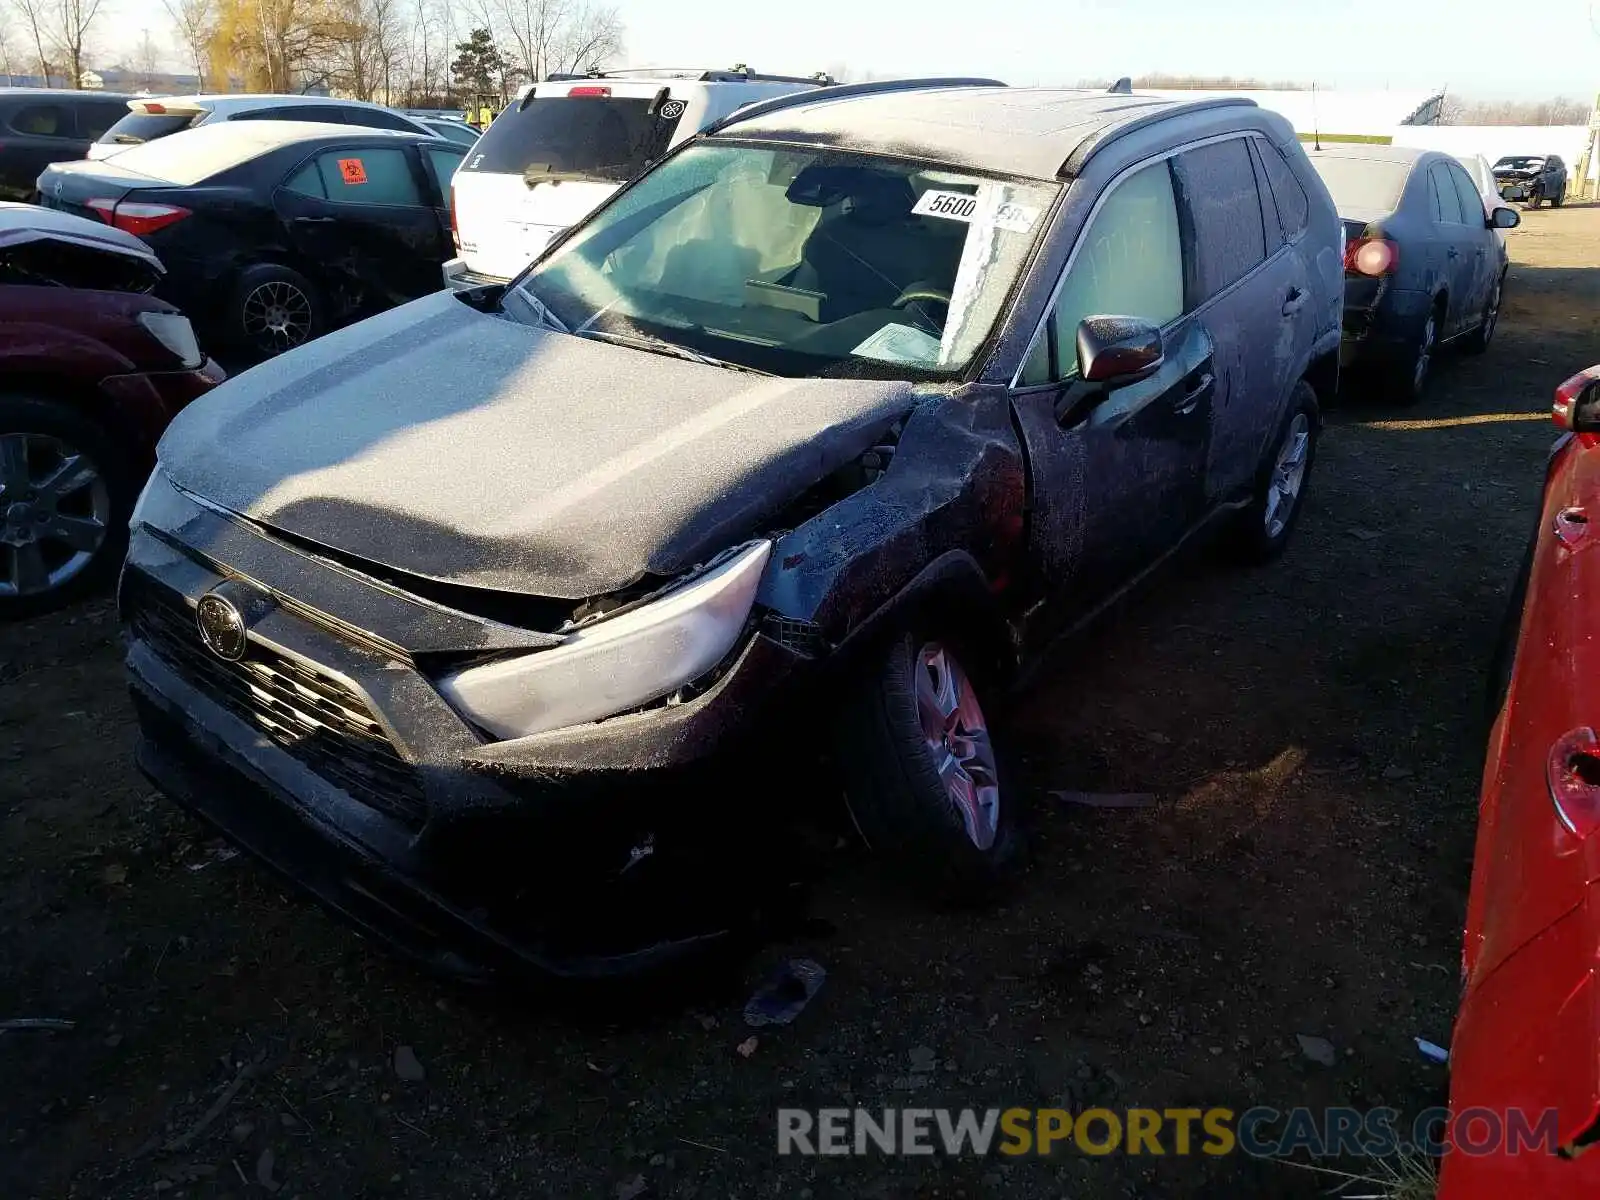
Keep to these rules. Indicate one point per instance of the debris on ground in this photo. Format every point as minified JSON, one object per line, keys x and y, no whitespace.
{"x":1107,"y":799}
{"x":1319,"y":1050}
{"x":748,"y":1047}
{"x":406,"y":1065}
{"x":1432,"y":1051}
{"x":923,"y":1060}
{"x":264,"y":1166}
{"x":785,"y":994}
{"x":632,"y":1189}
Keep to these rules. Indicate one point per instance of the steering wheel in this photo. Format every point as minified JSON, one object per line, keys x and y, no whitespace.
{"x":922,"y":293}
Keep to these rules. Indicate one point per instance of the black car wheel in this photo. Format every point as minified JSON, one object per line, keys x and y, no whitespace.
{"x":65,"y":496}
{"x":1261,"y":531}
{"x":922,"y":774}
{"x":274,"y":309}
{"x":1478,"y":340}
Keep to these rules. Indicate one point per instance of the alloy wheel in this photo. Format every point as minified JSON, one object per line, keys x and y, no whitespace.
{"x":958,"y":741}
{"x":1419,"y":372}
{"x":277,"y":316}
{"x":1288,"y":474}
{"x":55,"y":507}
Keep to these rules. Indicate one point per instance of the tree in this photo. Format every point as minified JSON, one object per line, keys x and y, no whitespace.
{"x":278,"y":45}
{"x":552,"y":35}
{"x":8,"y":50}
{"x":479,"y":65}
{"x":61,"y":28}
{"x":195,"y":23}
{"x":147,"y":62}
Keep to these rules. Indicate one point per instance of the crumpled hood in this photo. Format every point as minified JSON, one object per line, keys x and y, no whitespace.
{"x":468,"y":448}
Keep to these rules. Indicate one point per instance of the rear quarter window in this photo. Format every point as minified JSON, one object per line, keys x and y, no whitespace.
{"x":1294,"y":209}
{"x":42,"y":120}
{"x":606,"y":138}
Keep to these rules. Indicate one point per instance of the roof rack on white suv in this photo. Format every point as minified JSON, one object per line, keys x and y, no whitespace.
{"x":736,"y":74}
{"x":844,"y":91}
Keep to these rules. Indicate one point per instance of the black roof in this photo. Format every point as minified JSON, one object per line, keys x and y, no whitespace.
{"x":33,"y":93}
{"x":1042,"y":133}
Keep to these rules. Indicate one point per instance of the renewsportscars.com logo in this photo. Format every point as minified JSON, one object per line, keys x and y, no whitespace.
{"x":1258,"y":1132}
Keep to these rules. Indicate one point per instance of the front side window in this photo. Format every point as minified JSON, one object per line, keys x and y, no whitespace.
{"x":1217,"y":185}
{"x":1467,"y":196}
{"x":368,"y":176}
{"x":799,"y":261}
{"x":1128,"y":263}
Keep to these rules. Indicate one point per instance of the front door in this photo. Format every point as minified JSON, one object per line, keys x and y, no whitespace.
{"x":364,"y":219}
{"x":1480,"y":249}
{"x":1455,"y":237}
{"x":1116,"y":475}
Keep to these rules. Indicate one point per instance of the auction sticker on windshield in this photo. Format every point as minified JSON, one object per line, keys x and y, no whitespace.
{"x":960,"y":206}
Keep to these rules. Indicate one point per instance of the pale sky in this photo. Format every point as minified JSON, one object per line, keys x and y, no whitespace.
{"x":1477,"y":48}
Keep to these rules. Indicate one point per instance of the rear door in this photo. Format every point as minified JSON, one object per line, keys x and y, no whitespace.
{"x":1117,"y":476}
{"x":365,"y":219}
{"x":551,"y":159}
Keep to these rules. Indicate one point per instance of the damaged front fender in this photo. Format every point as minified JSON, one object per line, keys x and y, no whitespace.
{"x":945,"y":522}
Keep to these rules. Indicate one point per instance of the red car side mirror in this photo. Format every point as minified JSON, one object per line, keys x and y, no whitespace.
{"x":1577,"y":403}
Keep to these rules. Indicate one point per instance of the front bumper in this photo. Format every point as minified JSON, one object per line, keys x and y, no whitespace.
{"x":1519,"y":190}
{"x":327,"y":754}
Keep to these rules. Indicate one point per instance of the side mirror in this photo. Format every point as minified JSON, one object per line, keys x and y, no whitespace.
{"x":1504,"y":218}
{"x":1117,"y":349}
{"x":1577,"y":403}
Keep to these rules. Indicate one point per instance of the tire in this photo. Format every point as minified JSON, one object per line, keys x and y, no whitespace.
{"x":1478,"y":340}
{"x":1261,"y":532}
{"x":272,"y":310}
{"x":1409,"y":381}
{"x":40,"y":574}
{"x":949,"y":852}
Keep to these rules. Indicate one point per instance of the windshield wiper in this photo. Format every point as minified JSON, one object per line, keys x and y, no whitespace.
{"x":536,"y":311}
{"x":640,"y":341}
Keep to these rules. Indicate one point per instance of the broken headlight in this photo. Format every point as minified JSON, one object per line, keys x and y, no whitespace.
{"x":618,"y":663}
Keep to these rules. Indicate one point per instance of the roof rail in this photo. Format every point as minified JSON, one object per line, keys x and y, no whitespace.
{"x":846,"y":91}
{"x":737,"y":74}
{"x":1155,"y":110}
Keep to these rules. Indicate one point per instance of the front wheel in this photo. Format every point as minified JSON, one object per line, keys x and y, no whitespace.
{"x":1478,"y":341}
{"x":1261,"y":531}
{"x":65,"y":496}
{"x":922,"y":773}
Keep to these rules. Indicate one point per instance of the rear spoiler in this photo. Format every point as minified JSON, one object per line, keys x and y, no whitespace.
{"x":845,"y":91}
{"x":159,"y":108}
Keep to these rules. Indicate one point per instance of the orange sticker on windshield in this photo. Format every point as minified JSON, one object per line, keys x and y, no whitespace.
{"x":352,"y":170}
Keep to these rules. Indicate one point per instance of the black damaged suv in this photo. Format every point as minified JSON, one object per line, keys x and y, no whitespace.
{"x":476,"y":617}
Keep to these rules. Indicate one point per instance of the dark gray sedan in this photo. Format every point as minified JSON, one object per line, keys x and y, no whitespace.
{"x":1422,"y":265}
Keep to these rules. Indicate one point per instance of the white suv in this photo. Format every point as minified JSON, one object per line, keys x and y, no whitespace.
{"x":563,"y":146}
{"x":157,"y":116}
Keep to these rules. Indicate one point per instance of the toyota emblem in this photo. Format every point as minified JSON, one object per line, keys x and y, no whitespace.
{"x":221,"y":627}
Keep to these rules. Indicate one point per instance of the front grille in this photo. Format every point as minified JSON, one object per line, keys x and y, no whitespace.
{"x":315,"y":717}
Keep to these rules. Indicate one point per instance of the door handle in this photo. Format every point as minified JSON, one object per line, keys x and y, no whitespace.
{"x":1294,"y":301}
{"x":315,"y":220}
{"x":1192,"y":396}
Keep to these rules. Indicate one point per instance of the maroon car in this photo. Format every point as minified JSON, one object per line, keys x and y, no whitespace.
{"x":92,"y":367}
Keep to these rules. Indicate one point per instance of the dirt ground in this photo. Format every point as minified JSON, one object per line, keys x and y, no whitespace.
{"x":1312,"y":732}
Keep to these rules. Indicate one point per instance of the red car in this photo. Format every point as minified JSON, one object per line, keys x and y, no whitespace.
{"x":1526,"y":1049}
{"x":92,"y":368}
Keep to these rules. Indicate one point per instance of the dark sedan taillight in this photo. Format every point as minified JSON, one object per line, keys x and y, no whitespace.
{"x":136,"y":217}
{"x":1371,"y":256}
